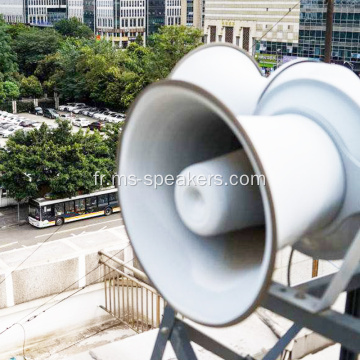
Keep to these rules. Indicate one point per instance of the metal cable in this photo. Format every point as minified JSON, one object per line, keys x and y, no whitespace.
{"x":298,"y":3}
{"x":289,"y":267}
{"x":56,"y":295}
{"x":47,"y":239}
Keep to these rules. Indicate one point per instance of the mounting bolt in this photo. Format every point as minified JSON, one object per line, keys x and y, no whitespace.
{"x":164,"y":330}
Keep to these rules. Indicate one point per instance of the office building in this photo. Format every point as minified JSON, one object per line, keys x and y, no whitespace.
{"x":45,"y":12}
{"x":311,"y":44}
{"x":83,"y":10}
{"x":120,"y":21}
{"x":346,"y":31}
{"x":246,"y":22}
{"x":192,"y":13}
{"x":12,"y":10}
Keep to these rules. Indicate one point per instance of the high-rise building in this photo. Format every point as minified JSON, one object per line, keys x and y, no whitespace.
{"x":12,"y":10}
{"x":161,"y":13}
{"x":172,"y":12}
{"x":192,"y":13}
{"x":83,"y":10}
{"x":120,"y":21}
{"x":155,"y":15}
{"x":246,"y":22}
{"x":346,"y":31}
{"x":45,"y":12}
{"x":311,"y":44}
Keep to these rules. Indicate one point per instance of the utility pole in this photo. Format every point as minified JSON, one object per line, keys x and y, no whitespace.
{"x":329,"y":30}
{"x":327,"y":59}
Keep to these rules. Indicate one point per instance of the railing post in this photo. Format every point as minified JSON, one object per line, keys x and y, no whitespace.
{"x":158,"y":298}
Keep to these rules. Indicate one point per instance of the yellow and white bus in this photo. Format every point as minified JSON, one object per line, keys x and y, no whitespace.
{"x":44,"y":213}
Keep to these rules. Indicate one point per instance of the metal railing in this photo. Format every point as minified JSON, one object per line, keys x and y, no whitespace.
{"x":128,"y":295}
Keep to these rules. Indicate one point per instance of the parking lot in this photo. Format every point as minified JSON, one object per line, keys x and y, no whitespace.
{"x":40,"y":119}
{"x":52,"y":122}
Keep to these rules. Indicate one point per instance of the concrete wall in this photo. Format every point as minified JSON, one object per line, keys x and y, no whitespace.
{"x":53,"y":272}
{"x":56,"y":266}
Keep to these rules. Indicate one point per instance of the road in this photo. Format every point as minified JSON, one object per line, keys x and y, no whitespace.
{"x":18,"y":237}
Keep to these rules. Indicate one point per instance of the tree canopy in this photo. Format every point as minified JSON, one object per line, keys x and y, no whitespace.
{"x":31,"y":87}
{"x":8,"y":64}
{"x":78,"y":67}
{"x":57,"y":161}
{"x":92,"y":70}
{"x":73,"y":28}
{"x":32,"y":45}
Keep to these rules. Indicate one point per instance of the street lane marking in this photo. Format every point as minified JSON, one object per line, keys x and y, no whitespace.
{"x":78,"y":228}
{"x":2,"y":246}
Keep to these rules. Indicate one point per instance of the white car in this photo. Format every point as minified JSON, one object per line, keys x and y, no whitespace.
{"x":64,"y":107}
{"x":74,"y":106}
{"x":65,"y":117}
{"x":116,"y":118}
{"x":102,"y":116}
{"x":81,"y":122}
{"x":9,"y":131}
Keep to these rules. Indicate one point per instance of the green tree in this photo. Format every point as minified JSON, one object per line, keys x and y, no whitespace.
{"x":57,"y":161}
{"x":90,"y":70}
{"x":2,"y":93}
{"x":31,"y":87}
{"x":168,"y":46}
{"x":11,"y":89}
{"x":46,"y":68}
{"x":8,"y":63}
{"x":73,"y":28}
{"x":33,"y":45}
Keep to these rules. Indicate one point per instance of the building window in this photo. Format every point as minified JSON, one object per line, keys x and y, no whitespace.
{"x":246,"y":38}
{"x":212,"y":33}
{"x":229,"y":34}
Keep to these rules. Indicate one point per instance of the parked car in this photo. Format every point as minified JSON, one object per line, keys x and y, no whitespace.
{"x":99,"y":112}
{"x":65,"y":117}
{"x":91,"y":113}
{"x":87,"y":111}
{"x":9,"y":131}
{"x":103,"y":116}
{"x":75,"y":106}
{"x":51,"y":113}
{"x":26,"y":123}
{"x":98,"y":125}
{"x":37,"y":111}
{"x":116,"y":118}
{"x":79,"y":110}
{"x":66,"y":107}
{"x":81,"y":122}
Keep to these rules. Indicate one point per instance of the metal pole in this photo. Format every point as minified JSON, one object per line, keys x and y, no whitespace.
{"x":329,"y":30}
{"x":352,"y":307}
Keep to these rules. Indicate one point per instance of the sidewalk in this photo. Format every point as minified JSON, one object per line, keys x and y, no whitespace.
{"x":9,"y":216}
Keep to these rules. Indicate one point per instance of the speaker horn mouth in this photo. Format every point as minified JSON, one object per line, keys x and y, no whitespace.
{"x":214,"y":280}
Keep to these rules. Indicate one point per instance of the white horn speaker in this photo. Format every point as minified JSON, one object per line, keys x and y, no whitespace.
{"x":218,"y":192}
{"x":225,"y":71}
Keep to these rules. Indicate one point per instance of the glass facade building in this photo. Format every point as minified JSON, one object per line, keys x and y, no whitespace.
{"x":346,"y":31}
{"x":311,"y":44}
{"x":155,"y":15}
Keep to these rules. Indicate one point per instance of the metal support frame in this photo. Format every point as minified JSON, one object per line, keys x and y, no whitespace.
{"x":296,"y":304}
{"x":352,"y":308}
{"x":180,"y":333}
